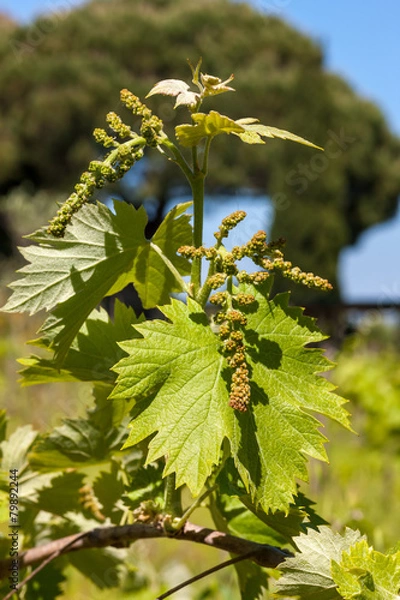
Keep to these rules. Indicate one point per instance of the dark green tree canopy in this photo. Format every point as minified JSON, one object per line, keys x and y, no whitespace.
{"x":60,"y":75}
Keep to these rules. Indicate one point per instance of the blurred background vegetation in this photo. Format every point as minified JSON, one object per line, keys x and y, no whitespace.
{"x":59,"y":79}
{"x":57,"y":86}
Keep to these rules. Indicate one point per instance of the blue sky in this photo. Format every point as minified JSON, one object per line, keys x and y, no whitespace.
{"x":361,"y":42}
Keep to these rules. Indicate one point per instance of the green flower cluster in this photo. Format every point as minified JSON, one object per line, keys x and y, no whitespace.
{"x":232,"y":321}
{"x":126,"y":146}
{"x":231,"y":318}
{"x":151,"y":128}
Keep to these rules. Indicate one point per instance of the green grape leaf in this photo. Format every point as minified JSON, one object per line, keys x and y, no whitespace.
{"x":206,"y":125}
{"x":365,"y":574}
{"x":270,"y":441}
{"x":308,"y":574}
{"x":177,"y":88}
{"x":283,"y":526}
{"x":76,"y":442}
{"x":253,"y":580}
{"x":62,"y":494}
{"x":101,"y":414}
{"x":97,"y":247}
{"x":46,"y":585}
{"x":100,"y":565}
{"x":300,"y":517}
{"x":14,"y":450}
{"x":254,"y":132}
{"x":177,"y":380}
{"x":91,"y":355}
{"x":232,"y":517}
{"x":145,"y":484}
{"x":190,"y":412}
{"x":71,"y":275}
{"x":109,"y":489}
{"x":153,"y":277}
{"x":242,"y":522}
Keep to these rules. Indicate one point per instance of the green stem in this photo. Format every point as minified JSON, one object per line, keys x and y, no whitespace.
{"x":198,"y":215}
{"x":206,"y":289}
{"x":178,"y":158}
{"x":179,"y":524}
{"x":198,"y":218}
{"x":229,"y":286}
{"x":206,"y":155}
{"x":173,"y":502}
{"x":114,"y":154}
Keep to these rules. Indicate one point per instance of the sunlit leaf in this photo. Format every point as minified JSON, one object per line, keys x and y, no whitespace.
{"x":254,"y":132}
{"x":308,"y":574}
{"x":365,"y":574}
{"x":206,"y":125}
{"x":71,"y":275}
{"x":178,"y":381}
{"x":178,"y":88}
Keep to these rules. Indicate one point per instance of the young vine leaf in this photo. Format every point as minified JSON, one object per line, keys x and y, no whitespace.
{"x":255,"y":131}
{"x":367,"y":574}
{"x":248,"y":129}
{"x":308,"y":574}
{"x":208,"y":125}
{"x":178,"y":88}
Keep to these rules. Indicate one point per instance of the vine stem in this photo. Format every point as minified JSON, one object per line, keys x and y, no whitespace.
{"x":173,"y":501}
{"x":198,"y":215}
{"x":193,"y":507}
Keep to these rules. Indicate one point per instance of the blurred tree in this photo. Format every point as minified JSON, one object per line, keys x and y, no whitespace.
{"x":60,"y":74}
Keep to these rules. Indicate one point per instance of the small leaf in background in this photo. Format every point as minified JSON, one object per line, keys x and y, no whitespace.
{"x":252,"y":579}
{"x":108,"y":488}
{"x":14,"y":450}
{"x":153,"y":280}
{"x":145,"y":484}
{"x":283,"y":527}
{"x":91,"y":355}
{"x":74,"y":443}
{"x":366,"y":574}
{"x":308,"y":574}
{"x":100,"y":565}
{"x":62,"y":495}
